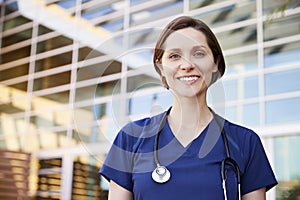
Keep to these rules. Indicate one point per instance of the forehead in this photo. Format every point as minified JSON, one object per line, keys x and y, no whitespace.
{"x":186,"y":37}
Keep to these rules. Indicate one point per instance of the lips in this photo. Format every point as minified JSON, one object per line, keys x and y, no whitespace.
{"x":189,"y":78}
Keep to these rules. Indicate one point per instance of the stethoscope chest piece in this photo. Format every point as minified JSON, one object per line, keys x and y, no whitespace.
{"x":161,"y":174}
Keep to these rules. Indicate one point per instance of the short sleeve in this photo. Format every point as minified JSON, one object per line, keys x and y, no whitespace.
{"x":258,"y":172}
{"x":118,"y":163}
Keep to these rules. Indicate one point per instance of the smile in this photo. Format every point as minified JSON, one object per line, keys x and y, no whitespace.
{"x":188,"y":78}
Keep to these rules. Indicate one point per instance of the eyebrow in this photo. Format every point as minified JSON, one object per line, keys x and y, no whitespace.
{"x":194,"y":48}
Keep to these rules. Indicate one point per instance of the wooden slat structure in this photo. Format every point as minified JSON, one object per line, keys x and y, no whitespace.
{"x":14,"y":174}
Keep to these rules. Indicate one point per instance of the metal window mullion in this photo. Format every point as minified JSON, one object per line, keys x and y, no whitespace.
{"x":30,"y":83}
{"x":260,"y":60}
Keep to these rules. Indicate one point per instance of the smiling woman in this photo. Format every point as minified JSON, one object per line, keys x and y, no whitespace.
{"x":189,"y":145}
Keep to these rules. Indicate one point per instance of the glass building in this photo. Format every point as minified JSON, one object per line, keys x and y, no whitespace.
{"x":73,"y":72}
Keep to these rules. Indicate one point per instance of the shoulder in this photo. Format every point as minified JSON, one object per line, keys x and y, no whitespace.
{"x":140,"y":127}
{"x":234,"y":129}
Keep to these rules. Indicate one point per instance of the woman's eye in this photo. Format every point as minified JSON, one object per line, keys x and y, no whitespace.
{"x":199,"y":54}
{"x":174,"y":56}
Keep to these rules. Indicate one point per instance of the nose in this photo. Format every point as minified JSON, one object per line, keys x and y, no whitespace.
{"x":186,"y":65}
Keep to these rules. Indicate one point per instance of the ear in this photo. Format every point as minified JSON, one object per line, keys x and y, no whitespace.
{"x":159,"y":65}
{"x":216,"y":65}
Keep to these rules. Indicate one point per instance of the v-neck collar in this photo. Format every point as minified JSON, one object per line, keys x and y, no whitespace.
{"x":194,"y":145}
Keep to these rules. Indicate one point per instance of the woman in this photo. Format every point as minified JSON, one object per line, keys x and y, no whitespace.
{"x":188,"y":59}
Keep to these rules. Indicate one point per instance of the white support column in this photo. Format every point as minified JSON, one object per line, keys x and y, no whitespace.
{"x":66,"y":177}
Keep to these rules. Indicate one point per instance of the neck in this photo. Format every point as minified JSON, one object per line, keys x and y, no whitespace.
{"x":190,"y":112}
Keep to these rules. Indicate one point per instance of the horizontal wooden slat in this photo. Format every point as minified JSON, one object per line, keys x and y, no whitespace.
{"x":14,"y":173}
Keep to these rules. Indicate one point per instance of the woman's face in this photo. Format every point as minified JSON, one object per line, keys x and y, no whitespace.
{"x":187,"y":63}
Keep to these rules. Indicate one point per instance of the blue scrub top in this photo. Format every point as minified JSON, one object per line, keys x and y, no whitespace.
{"x":195,"y":169}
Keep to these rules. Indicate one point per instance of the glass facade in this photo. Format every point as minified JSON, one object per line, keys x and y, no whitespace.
{"x":72,"y":72}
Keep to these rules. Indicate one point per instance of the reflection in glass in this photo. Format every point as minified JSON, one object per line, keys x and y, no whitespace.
{"x":241,"y":63}
{"x":230,"y":14}
{"x":281,"y":27}
{"x":14,"y":72}
{"x":53,"y":43}
{"x":158,"y":11}
{"x":251,"y":115}
{"x":287,"y":162}
{"x":86,"y":53}
{"x":282,"y":82}
{"x":14,"y":22}
{"x":15,"y":55}
{"x":195,"y":4}
{"x":142,"y":81}
{"x":284,"y":54}
{"x":238,"y":37}
{"x":52,"y":81}
{"x":56,"y":98}
{"x":251,"y":88}
{"x":18,"y":37}
{"x":231,"y":90}
{"x":282,"y":111}
{"x":98,"y":70}
{"x":54,"y":61}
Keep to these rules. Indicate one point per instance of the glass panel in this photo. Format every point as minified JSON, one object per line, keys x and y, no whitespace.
{"x":113,"y":24}
{"x":144,"y":39}
{"x":159,"y":11}
{"x":66,"y":3}
{"x":98,"y":70}
{"x":12,"y":100}
{"x":230,"y":14}
{"x":20,"y":86}
{"x":141,"y":104}
{"x":150,"y":104}
{"x":53,"y":43}
{"x":140,"y":82}
{"x":86,"y":53}
{"x":100,"y":90}
{"x":58,"y":139}
{"x":11,"y":143}
{"x":251,"y":87}
{"x":14,"y":22}
{"x":281,"y":27}
{"x":135,"y":2}
{"x":230,"y":88}
{"x":195,"y":4}
{"x":54,"y":61}
{"x":43,"y":30}
{"x":14,"y":72}
{"x":54,"y":99}
{"x":15,"y":55}
{"x":10,"y":8}
{"x":231,"y":113}
{"x":18,"y":106}
{"x":11,"y":129}
{"x":52,"y":81}
{"x":86,"y":180}
{"x":238,"y":37}
{"x":270,"y":6}
{"x":251,"y":115}
{"x":283,"y":81}
{"x":49,"y":118}
{"x":287,"y":162}
{"x":15,"y":38}
{"x":241,"y":63}
{"x":285,"y":54}
{"x":282,"y":111}
{"x":98,"y":10}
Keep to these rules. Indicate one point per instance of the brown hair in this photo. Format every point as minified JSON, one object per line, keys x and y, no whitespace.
{"x":185,"y":22}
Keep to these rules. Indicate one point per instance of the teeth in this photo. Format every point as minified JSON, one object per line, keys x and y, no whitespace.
{"x":189,"y":78}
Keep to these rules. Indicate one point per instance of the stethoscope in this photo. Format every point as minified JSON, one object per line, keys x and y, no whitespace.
{"x":161,"y":174}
